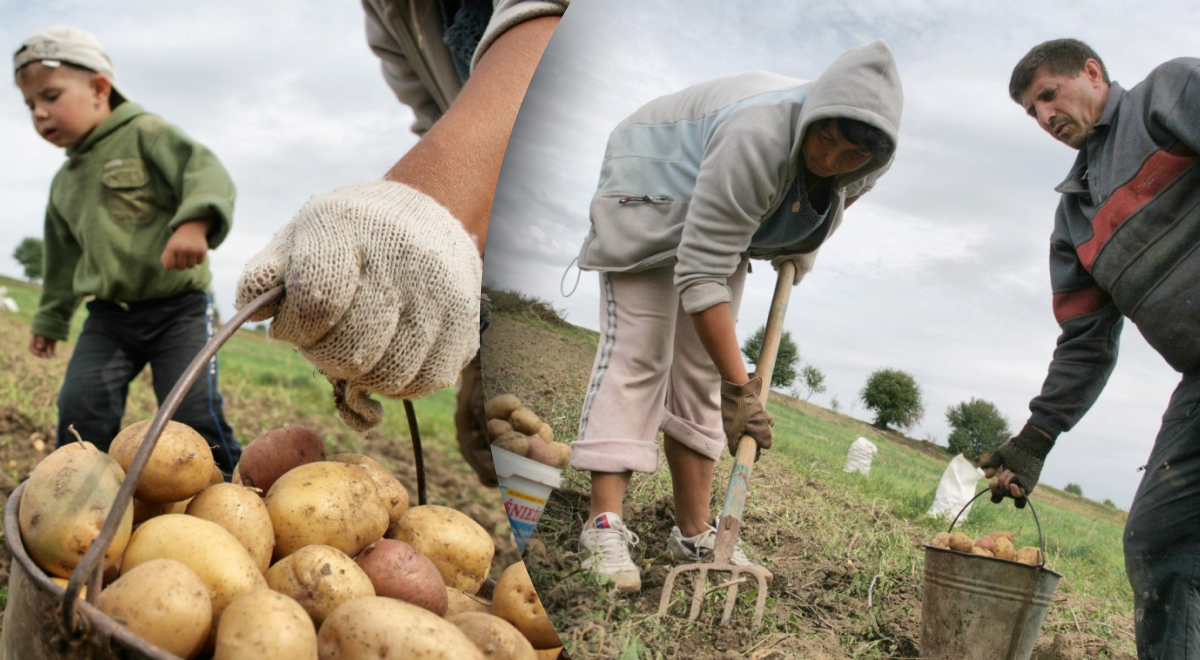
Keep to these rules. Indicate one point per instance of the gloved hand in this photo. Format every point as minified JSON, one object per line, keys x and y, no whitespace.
{"x":804,"y":264}
{"x":742,"y":413}
{"x":1022,"y":455}
{"x":381,"y":294}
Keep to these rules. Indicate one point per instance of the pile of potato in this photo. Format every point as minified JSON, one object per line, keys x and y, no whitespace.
{"x":515,"y":428}
{"x":998,"y":544}
{"x":303,"y":555}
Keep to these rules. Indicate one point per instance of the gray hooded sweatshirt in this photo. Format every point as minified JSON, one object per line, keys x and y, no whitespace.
{"x":690,"y":177}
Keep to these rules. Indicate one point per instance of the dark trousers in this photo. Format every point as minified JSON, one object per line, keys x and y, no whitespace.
{"x":117,"y":342}
{"x":1162,"y":535}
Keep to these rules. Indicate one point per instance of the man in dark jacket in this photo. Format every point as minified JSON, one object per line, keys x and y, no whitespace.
{"x":1126,"y":243}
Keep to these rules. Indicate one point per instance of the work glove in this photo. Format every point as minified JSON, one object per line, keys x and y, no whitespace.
{"x":742,"y":413}
{"x":381,"y":294}
{"x":1023,"y":455}
{"x":804,"y":264}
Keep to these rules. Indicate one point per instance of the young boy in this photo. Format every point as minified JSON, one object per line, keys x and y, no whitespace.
{"x":693,"y":184}
{"x":131,"y":216}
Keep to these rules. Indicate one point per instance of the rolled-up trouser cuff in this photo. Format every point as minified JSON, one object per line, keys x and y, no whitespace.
{"x":614,"y":455}
{"x":702,"y":440}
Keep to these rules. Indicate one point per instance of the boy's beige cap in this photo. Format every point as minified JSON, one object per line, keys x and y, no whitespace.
{"x":62,"y":43}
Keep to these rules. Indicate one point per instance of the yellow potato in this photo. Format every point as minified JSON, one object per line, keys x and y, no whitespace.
{"x":327,"y":503}
{"x":549,"y":654}
{"x":554,"y":454}
{"x":320,"y":578}
{"x":265,"y":624}
{"x":981,"y":551}
{"x":515,"y":600}
{"x":179,"y":467}
{"x":461,"y":548}
{"x":143,"y":511}
{"x":381,"y":628}
{"x":941,"y":540}
{"x":392,"y":493}
{"x":1003,"y":535}
{"x":212,"y":553}
{"x":64,"y":582}
{"x":514,"y":441}
{"x":498,"y":427}
{"x":165,"y":603}
{"x":545,"y":432}
{"x":459,"y":601}
{"x":500,"y":407}
{"x":961,"y":542}
{"x":1031,"y":555}
{"x":242,"y":513}
{"x":525,"y":421}
{"x":65,"y":503}
{"x":1005,"y":550}
{"x":497,"y":638}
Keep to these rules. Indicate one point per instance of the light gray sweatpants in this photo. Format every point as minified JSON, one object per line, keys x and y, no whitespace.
{"x":651,"y":373}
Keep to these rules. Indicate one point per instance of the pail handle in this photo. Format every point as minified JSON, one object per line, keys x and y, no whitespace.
{"x":90,"y":568}
{"x":1041,"y":538}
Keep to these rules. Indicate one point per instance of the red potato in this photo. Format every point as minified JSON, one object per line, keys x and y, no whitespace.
{"x":275,"y":452}
{"x":398,"y":571}
{"x":987,"y":543}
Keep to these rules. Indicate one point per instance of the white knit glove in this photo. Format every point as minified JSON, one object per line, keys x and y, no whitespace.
{"x":804,"y":264}
{"x":381,"y":294}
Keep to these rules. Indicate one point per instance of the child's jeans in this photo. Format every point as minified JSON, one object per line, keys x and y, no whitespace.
{"x":117,"y":342}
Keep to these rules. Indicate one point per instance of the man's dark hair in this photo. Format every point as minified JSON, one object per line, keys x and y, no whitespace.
{"x":1060,"y":57}
{"x":862,"y":134}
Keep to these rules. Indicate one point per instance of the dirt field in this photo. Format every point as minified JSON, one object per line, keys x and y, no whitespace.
{"x":825,"y":602}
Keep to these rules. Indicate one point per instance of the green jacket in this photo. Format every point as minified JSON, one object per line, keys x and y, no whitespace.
{"x":114,"y":204}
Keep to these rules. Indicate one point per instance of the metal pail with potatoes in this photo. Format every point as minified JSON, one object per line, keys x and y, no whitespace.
{"x":975,"y":607}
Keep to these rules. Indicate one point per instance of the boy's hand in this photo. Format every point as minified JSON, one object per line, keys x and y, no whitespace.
{"x":42,"y":346}
{"x":187,"y":246}
{"x":381,"y":293}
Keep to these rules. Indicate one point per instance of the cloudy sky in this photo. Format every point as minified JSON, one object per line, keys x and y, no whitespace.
{"x":287,"y":94}
{"x":942,"y":270}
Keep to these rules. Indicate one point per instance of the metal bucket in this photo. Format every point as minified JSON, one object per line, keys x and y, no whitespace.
{"x":980,"y":608}
{"x":37,"y":626}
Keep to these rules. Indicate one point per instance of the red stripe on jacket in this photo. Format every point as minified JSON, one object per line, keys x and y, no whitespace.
{"x":1079,"y":302}
{"x":1161,"y":169}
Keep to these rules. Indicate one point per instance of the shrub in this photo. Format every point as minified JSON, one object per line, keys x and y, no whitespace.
{"x":895,"y":398}
{"x":1074,"y":489}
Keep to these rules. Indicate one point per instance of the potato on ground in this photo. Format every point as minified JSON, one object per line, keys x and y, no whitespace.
{"x":461,"y":548}
{"x":265,"y":624}
{"x":382,"y":628}
{"x":242,"y":513}
{"x":515,"y":600}
{"x":64,"y":504}
{"x":320,"y":578}
{"x":501,"y":406}
{"x":179,"y":467}
{"x":392,"y":493}
{"x":497,"y":638}
{"x":398,"y":571}
{"x":273,"y":453}
{"x":212,"y":553}
{"x":459,"y":601}
{"x":165,"y":603}
{"x":326,"y":503}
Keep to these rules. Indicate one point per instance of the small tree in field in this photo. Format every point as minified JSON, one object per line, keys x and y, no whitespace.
{"x":895,"y":398}
{"x":1074,"y":489}
{"x":29,"y":255}
{"x":785,"y":361}
{"x":978,"y":428}
{"x":814,"y":380}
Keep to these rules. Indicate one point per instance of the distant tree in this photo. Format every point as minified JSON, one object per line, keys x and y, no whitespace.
{"x":29,"y":255}
{"x":785,"y":361}
{"x":834,"y":404}
{"x":1074,"y":489}
{"x":895,"y":398}
{"x":814,"y":380}
{"x":978,"y":428}
{"x":1110,"y":504}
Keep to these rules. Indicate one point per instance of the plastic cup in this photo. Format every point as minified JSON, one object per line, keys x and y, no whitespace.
{"x":525,"y":485}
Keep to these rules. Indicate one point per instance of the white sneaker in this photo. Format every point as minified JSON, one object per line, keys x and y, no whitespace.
{"x":700,"y":547}
{"x":605,"y":544}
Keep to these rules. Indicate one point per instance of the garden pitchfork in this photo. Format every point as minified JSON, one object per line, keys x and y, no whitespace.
{"x":739,"y":487}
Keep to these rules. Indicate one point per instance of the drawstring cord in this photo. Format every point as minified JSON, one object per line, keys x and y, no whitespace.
{"x":562,"y":282}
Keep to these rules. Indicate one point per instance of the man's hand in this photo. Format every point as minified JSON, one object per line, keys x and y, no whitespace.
{"x":1017,"y":465}
{"x":187,"y":246}
{"x":381,"y":294}
{"x":42,"y":347}
{"x":742,"y":413}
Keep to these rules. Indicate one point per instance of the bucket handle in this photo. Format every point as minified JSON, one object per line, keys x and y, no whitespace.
{"x":90,"y":568}
{"x":1041,"y":538}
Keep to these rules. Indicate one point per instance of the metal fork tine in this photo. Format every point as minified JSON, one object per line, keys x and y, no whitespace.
{"x":731,"y":596}
{"x":699,"y":585}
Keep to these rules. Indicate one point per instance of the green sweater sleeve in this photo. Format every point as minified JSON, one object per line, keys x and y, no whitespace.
{"x":53,"y":317}
{"x":204,"y":187}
